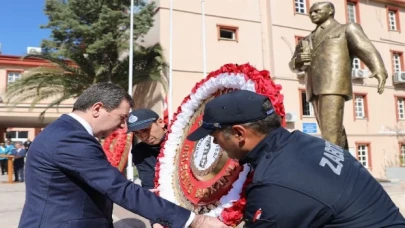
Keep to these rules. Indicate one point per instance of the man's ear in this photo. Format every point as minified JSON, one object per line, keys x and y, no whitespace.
{"x":96,"y":109}
{"x":160,"y":122}
{"x":239,"y":132}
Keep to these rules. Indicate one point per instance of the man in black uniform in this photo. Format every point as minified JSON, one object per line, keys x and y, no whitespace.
{"x":150,"y":129}
{"x":299,"y":180}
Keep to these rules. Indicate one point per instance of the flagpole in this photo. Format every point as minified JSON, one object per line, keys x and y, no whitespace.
{"x":204,"y":51}
{"x":130,"y":170}
{"x":170,"y":97}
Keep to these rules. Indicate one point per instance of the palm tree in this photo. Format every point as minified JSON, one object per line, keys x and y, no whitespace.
{"x":149,"y":64}
{"x":67,"y":79}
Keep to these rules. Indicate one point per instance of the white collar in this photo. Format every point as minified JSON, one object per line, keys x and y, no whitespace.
{"x":83,"y":122}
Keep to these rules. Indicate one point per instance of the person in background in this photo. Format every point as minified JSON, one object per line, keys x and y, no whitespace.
{"x":9,"y":147}
{"x":3,"y":161}
{"x":19,"y":161}
{"x":151,"y":130}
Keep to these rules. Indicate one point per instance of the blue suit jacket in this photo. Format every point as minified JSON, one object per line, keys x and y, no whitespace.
{"x":22,"y":153}
{"x":20,"y":156}
{"x":70,"y":183}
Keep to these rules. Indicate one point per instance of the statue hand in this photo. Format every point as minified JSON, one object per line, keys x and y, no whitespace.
{"x":382,"y":78}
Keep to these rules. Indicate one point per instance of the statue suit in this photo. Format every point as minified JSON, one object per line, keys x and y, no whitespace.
{"x":332,"y":47}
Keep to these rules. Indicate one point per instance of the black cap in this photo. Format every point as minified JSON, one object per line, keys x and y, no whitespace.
{"x":236,"y":107}
{"x":141,"y":119}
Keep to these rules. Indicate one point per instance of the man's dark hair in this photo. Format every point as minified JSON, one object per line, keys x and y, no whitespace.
{"x":263,"y":126}
{"x":111,"y":95}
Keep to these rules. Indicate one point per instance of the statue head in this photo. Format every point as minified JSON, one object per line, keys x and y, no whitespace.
{"x":321,"y":12}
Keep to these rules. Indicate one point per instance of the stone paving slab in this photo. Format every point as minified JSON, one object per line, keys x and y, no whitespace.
{"x":12,"y":198}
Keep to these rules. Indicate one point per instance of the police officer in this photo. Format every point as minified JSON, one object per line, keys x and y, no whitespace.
{"x":299,"y":180}
{"x":150,"y":129}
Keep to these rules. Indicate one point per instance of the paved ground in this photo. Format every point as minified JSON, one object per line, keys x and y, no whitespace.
{"x":12,"y":198}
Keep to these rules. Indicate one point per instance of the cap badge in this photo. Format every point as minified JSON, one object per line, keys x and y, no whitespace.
{"x":132,"y":119}
{"x":269,"y":112}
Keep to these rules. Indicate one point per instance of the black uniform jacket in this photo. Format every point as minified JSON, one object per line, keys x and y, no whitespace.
{"x":144,"y":157}
{"x":303,"y":181}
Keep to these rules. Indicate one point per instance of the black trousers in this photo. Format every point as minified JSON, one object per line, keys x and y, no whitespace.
{"x":19,"y":169}
{"x":3,"y":166}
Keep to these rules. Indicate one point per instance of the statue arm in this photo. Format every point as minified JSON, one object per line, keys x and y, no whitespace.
{"x":361,"y":47}
{"x":291,"y":64}
{"x":293,"y":67}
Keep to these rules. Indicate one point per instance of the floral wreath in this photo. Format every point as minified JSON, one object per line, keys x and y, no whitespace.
{"x":116,"y":147}
{"x":229,"y":207}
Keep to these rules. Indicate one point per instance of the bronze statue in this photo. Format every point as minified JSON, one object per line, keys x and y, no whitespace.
{"x":326,"y":55}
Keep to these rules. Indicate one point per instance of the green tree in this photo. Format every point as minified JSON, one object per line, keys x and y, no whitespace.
{"x":89,"y":39}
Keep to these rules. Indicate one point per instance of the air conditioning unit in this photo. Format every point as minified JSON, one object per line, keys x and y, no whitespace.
{"x":399,"y":77}
{"x":358,"y":73}
{"x":34,"y":50}
{"x":290,"y":117}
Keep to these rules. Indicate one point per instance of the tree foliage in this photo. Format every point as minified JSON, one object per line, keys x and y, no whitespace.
{"x":95,"y":32}
{"x":89,"y":44}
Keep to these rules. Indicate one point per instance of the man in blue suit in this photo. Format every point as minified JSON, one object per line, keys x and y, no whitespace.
{"x":70,"y":183}
{"x":19,"y":161}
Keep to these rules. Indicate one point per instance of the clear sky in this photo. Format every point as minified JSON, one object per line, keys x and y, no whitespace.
{"x":20,"y":22}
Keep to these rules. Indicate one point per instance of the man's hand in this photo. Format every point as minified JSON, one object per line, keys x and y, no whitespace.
{"x":382,"y":78}
{"x":154,"y":190}
{"x":202,"y":221}
{"x":157,"y":225}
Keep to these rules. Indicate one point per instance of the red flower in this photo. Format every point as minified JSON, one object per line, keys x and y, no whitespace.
{"x":263,"y":85}
{"x":119,"y":138}
{"x":234,"y":214}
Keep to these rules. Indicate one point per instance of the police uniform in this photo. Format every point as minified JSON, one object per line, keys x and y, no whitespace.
{"x":300,"y":181}
{"x":144,"y":157}
{"x":303,"y":181}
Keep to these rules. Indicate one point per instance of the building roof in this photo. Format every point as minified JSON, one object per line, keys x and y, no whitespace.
{"x":29,"y":62}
